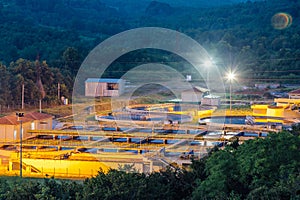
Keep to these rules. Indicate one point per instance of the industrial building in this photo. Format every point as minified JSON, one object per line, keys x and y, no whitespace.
{"x":211,"y":100}
{"x":295,"y":94}
{"x":10,"y":125}
{"x":194,"y":95}
{"x":100,"y":87}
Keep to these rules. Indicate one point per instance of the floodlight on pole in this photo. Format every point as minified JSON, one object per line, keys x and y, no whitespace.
{"x":230,"y":77}
{"x":208,"y":64}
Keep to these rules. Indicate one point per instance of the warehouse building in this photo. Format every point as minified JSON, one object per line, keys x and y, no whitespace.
{"x":194,"y":95}
{"x":10,"y":125}
{"x":295,"y":94}
{"x":100,"y":87}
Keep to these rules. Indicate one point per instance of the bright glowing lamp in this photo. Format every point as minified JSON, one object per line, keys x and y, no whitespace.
{"x":230,"y":76}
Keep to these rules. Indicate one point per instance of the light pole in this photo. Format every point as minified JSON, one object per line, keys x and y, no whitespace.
{"x":230,"y":78}
{"x":208,"y":63}
{"x":19,"y":118}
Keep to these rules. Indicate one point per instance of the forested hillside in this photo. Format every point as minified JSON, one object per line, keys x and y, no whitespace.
{"x":62,"y":32}
{"x":178,"y":3}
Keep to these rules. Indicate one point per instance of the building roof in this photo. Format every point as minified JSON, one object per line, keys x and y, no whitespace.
{"x":210,"y":96}
{"x":13,"y":119}
{"x":102,"y":80}
{"x":295,"y":92}
{"x":251,"y":92}
{"x":37,"y":116}
{"x":197,"y":89}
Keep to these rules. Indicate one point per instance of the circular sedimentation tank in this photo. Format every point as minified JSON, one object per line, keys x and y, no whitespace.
{"x":158,"y":113}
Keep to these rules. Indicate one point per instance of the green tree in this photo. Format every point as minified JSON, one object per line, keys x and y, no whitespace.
{"x":5,"y":96}
{"x":222,"y":178}
{"x":115,"y":185}
{"x":72,"y":60}
{"x":24,"y":72}
{"x":258,"y":169}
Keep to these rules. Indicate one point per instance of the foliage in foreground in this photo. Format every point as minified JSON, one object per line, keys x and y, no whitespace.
{"x":259,"y":169}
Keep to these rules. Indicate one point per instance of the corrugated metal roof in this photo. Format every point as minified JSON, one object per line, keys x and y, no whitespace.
{"x":210,"y":96}
{"x":201,"y":89}
{"x":102,"y":80}
{"x":295,"y":92}
{"x":38,"y":116}
{"x":13,"y":119}
{"x":197,"y":89}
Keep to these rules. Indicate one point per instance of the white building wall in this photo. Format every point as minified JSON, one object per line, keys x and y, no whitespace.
{"x":211,"y":101}
{"x":94,"y":89}
{"x":294,"y":96}
{"x":190,"y":96}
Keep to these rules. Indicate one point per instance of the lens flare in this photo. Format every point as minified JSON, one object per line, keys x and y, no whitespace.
{"x":281,"y":21}
{"x":128,"y":117}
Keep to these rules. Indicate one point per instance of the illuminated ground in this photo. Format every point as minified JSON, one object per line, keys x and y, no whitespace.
{"x":80,"y":151}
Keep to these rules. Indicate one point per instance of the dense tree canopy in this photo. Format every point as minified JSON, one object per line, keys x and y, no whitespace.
{"x":260,"y":38}
{"x":258,"y":169}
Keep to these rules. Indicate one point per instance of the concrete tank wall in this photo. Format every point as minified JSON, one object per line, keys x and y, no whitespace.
{"x":275,"y":111}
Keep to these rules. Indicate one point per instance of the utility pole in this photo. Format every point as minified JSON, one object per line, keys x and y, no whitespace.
{"x":19,"y":119}
{"x":23,"y":91}
{"x":58,"y":91}
{"x":40,"y":106}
